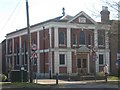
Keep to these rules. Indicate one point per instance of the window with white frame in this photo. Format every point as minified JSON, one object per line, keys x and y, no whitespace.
{"x":101,"y":37}
{"x":82,"y":38}
{"x":74,"y":39}
{"x":101,"y":59}
{"x":62,"y":59}
{"x":89,"y":40}
{"x":61,"y":38}
{"x":82,"y":20}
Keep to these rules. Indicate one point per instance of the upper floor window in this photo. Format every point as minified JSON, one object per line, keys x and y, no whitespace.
{"x":82,"y":19}
{"x":61,"y":38}
{"x":89,"y":39}
{"x":82,"y":38}
{"x":74,"y":39}
{"x":101,"y":37}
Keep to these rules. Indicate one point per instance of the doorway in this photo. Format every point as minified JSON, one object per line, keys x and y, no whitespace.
{"x":82,"y":66}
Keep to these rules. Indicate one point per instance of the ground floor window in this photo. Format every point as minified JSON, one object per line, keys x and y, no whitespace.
{"x":101,"y":59}
{"x":62,"y":59}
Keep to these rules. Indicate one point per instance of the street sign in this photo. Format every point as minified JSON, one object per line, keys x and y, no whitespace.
{"x":95,"y":57}
{"x":95,"y":49}
{"x":34,"y":55}
{"x":34,"y":47}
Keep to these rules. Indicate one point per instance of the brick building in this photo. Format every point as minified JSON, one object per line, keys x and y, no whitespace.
{"x":66,"y":44}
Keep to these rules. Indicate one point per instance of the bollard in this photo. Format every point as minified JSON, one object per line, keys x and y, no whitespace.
{"x":68,"y":76}
{"x":56,"y":78}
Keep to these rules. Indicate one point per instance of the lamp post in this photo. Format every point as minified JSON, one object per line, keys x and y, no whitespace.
{"x":29,"y":42}
{"x":22,"y":73}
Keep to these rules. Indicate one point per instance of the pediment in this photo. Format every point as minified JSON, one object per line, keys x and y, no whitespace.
{"x":81,"y":16}
{"x":83,"y":49}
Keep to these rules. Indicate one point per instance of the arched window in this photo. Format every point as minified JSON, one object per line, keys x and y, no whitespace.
{"x":61,"y":38}
{"x":82,"y":38}
{"x":74,"y":39}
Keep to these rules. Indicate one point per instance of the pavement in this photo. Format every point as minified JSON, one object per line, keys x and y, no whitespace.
{"x":82,"y":85}
{"x":78,"y":84}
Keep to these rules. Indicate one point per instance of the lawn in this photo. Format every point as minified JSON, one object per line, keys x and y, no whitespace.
{"x":26,"y":85}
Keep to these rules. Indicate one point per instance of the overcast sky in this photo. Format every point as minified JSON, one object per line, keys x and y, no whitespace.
{"x":13,"y":12}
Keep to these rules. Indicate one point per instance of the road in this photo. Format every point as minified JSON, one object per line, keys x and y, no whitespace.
{"x":61,"y":89}
{"x":70,"y":85}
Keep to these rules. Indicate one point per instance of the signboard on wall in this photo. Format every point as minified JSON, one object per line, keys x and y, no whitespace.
{"x":118,"y":56}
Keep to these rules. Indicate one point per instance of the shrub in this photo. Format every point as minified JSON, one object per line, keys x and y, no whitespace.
{"x":3,"y":77}
{"x":100,"y":74}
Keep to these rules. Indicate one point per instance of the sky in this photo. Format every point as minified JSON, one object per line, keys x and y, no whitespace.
{"x":13,"y":12}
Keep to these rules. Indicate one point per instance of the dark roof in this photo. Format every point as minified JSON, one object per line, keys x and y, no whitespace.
{"x":57,"y":19}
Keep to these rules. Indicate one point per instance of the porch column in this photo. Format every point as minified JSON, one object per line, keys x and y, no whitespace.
{"x":56,"y":37}
{"x":68,"y":38}
{"x":38,"y":53}
{"x":13,"y":54}
{"x":56,"y":62}
{"x":69,"y":62}
{"x":50,"y":51}
{"x":88,"y":63}
{"x":56,"y":52}
{"x":96,"y":45}
{"x":69,"y":56}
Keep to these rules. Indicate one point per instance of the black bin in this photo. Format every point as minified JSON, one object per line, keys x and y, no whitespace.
{"x":19,"y":76}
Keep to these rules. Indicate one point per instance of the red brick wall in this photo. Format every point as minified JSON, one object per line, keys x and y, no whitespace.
{"x":44,"y":40}
{"x":44,"y":62}
{"x":77,"y":32}
{"x":62,"y":69}
{"x":34,"y":38}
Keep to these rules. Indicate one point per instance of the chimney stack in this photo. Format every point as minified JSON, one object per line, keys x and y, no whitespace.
{"x":63,"y":13}
{"x":104,"y":14}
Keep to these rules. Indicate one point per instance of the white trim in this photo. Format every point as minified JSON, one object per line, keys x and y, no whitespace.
{"x":56,"y":37}
{"x":68,"y":37}
{"x":48,"y":25}
{"x":69,"y":62}
{"x":97,"y":63}
{"x":50,"y":50}
{"x":79,"y":14}
{"x":56,"y":62}
{"x":88,"y":64}
{"x":65,"y":59}
{"x":38,"y":59}
{"x":82,"y":20}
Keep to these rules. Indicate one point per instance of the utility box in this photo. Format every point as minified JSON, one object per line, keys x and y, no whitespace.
{"x":19,"y":76}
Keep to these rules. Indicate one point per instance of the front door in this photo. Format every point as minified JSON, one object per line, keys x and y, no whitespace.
{"x":82,"y":66}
